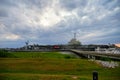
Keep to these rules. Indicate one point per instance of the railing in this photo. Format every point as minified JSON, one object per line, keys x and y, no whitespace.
{"x":93,"y":54}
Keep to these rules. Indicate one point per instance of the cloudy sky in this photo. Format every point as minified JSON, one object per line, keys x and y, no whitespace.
{"x":55,"y":21}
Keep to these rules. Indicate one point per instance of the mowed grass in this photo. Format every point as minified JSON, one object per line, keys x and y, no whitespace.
{"x":52,"y":66}
{"x":23,"y":76}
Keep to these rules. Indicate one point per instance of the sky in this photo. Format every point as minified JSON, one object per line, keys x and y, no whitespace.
{"x":47,"y":22}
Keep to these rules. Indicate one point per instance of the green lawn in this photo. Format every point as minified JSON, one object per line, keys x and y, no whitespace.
{"x":52,"y":66}
{"x":57,"y":55}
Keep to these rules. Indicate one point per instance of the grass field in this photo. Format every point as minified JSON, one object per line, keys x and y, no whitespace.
{"x":57,"y":55}
{"x":52,"y":66}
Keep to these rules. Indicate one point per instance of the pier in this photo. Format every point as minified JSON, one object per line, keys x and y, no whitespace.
{"x":95,"y":55}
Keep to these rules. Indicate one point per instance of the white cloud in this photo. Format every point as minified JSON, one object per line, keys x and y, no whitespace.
{"x":6,"y":35}
{"x":49,"y":18}
{"x":9,"y":37}
{"x":41,"y":19}
{"x":12,"y":37}
{"x":96,"y":35}
{"x":85,"y":19}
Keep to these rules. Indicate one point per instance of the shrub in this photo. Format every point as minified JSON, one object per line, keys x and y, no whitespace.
{"x":67,"y":57}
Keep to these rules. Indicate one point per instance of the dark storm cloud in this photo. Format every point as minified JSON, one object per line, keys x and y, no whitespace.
{"x":73,"y":4}
{"x":3,"y":13}
{"x":6,"y":3}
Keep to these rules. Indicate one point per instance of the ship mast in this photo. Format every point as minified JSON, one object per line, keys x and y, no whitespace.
{"x":74,"y":35}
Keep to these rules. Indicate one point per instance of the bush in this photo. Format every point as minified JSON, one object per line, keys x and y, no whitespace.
{"x":105,"y":59}
{"x":67,"y":57}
